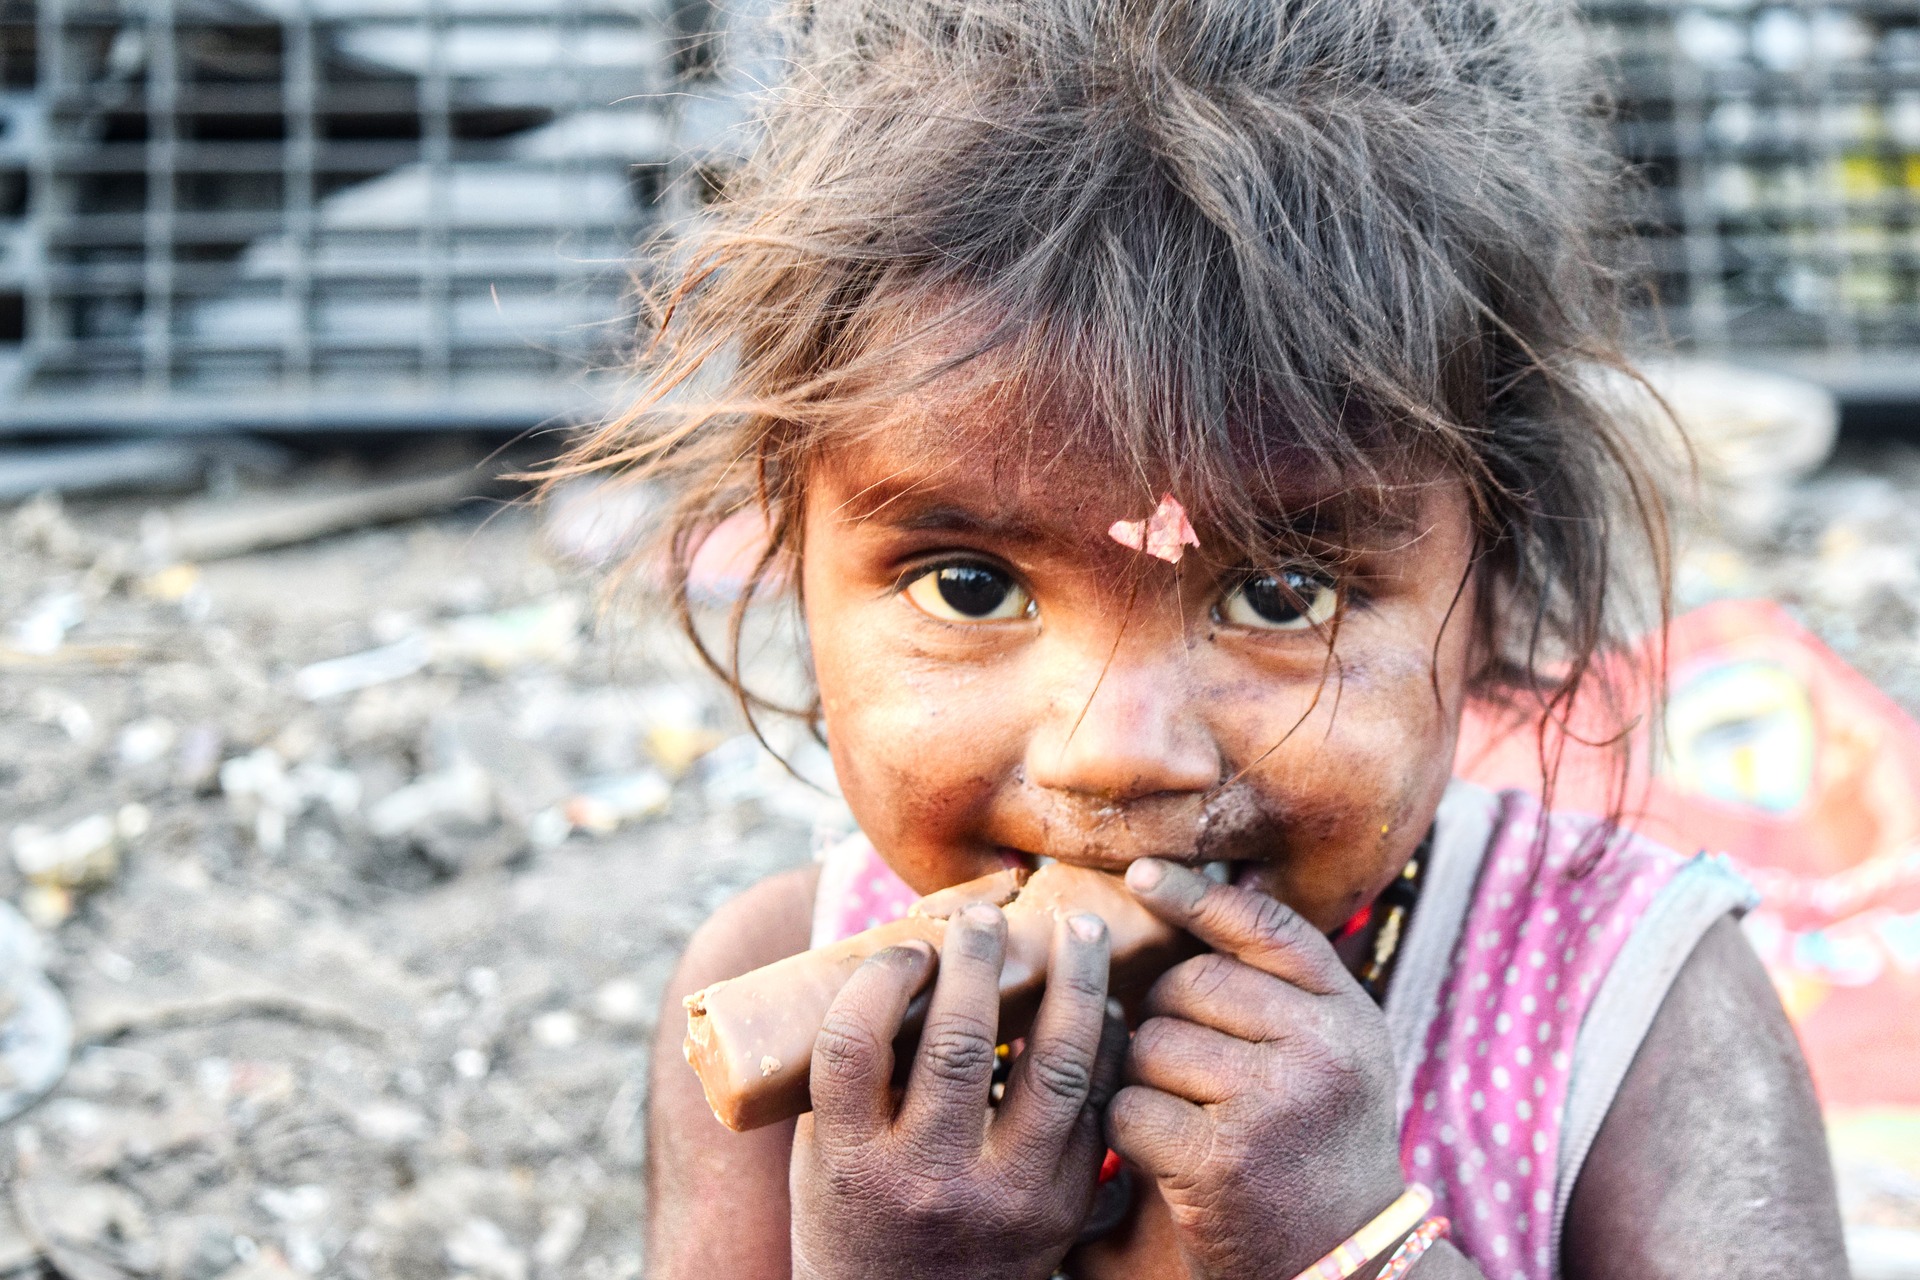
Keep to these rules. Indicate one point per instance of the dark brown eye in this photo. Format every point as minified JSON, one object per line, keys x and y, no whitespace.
{"x":1290,"y":600}
{"x":969,"y":593}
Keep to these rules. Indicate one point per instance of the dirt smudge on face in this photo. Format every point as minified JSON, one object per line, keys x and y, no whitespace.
{"x":1235,"y":826}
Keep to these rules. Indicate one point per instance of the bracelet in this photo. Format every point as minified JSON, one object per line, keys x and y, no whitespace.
{"x":1375,"y":1238}
{"x":1412,"y":1247}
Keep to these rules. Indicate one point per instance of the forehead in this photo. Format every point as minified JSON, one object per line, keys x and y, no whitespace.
{"x":980,"y":451}
{"x":979,"y":446}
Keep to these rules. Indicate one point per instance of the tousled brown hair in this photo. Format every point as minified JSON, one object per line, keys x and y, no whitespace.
{"x":1365,"y":239}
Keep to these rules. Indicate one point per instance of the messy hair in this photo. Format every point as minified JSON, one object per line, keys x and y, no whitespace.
{"x":1359,"y":240}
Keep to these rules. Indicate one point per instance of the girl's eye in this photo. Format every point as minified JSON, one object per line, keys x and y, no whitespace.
{"x":1291,"y":600}
{"x":969,"y":593}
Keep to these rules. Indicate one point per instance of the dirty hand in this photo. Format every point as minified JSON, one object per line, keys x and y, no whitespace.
{"x":932,"y":1182}
{"x":1260,"y":1085}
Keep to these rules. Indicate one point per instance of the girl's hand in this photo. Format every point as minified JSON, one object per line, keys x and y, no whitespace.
{"x":1260,"y":1086}
{"x":934,"y":1183}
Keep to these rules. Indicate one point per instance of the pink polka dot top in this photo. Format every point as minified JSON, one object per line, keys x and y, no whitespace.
{"x":1528,"y":977}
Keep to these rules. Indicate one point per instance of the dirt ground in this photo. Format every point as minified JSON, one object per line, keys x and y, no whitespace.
{"x":364,"y":979}
{"x":316,"y":1035}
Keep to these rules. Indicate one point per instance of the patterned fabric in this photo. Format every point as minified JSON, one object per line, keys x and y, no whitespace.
{"x":1490,"y":1090}
{"x":1490,"y":1086}
{"x":857,"y":890}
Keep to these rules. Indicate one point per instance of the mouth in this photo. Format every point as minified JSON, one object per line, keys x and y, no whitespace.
{"x":1218,"y":870}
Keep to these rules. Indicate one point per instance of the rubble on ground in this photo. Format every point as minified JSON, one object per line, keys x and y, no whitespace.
{"x":361,"y":863}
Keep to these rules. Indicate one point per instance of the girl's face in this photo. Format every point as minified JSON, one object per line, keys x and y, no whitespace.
{"x":1002,"y":680}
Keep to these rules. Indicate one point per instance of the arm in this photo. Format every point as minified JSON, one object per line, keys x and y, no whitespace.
{"x":1712,"y":1158}
{"x":717,"y":1201}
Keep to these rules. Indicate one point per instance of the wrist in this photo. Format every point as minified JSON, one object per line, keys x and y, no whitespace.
{"x":1379,"y":1242}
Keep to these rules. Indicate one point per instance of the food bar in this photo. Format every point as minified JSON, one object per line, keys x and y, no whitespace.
{"x":751,"y":1038}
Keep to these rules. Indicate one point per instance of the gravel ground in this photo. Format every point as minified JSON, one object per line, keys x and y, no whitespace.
{"x":349,"y":996}
{"x":365,"y":985}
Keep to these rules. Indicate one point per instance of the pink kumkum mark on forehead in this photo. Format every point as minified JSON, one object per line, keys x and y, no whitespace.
{"x":1166,"y":534}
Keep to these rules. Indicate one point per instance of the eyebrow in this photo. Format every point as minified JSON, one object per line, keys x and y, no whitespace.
{"x":948,"y":517}
{"x":915,"y":506}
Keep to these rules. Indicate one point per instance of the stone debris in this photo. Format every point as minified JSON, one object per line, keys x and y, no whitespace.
{"x":364,"y":954}
{"x":36,"y":1030}
{"x":357,"y":958}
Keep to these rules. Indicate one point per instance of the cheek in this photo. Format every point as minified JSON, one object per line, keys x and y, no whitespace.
{"x":1353,"y":786}
{"x":918,"y":745}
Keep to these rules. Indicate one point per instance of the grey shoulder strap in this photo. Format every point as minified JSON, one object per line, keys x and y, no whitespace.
{"x":1463,"y":828}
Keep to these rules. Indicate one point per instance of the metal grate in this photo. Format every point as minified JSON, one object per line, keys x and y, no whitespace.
{"x":1780,"y":150}
{"x":417,"y":213}
{"x":351,"y":213}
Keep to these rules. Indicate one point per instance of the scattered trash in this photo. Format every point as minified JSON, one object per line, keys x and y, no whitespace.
{"x":173,"y":584}
{"x":470,"y":1064}
{"x":312,"y":969}
{"x":268,"y":795}
{"x":43,"y":628}
{"x":335,"y":676}
{"x":36,"y":1031}
{"x":560,"y":1237}
{"x":604,"y":805}
{"x":83,"y":855}
{"x":460,"y":793}
{"x":481,"y":1247}
{"x":197,"y":761}
{"x":49,"y":707}
{"x":544,"y":632}
{"x":399,"y":932}
{"x":557,"y":1030}
{"x":622,"y":1002}
{"x":145,"y":741}
{"x":797,"y":783}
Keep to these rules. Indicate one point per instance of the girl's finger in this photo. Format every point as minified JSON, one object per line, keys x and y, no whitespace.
{"x":1088,"y":1143}
{"x":1156,"y":1132}
{"x":1189,"y":1061}
{"x":852,"y":1068}
{"x":946,"y":1098}
{"x":1229,"y":995}
{"x":1053,"y":1076}
{"x":1241,"y":923}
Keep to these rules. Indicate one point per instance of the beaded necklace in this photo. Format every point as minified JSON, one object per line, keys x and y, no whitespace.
{"x":1395,"y":904}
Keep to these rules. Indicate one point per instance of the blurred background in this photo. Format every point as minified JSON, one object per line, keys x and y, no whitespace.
{"x":351,"y":839}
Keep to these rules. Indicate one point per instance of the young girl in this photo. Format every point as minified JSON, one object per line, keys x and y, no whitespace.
{"x":1166,"y":413}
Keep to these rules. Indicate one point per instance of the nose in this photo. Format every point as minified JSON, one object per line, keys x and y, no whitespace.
{"x":1129,"y":729}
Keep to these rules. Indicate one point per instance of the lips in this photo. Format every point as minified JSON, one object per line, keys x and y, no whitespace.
{"x":1218,"y":870}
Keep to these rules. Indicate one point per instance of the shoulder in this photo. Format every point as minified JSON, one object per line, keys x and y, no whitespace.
{"x":717,"y":1203}
{"x":767,"y":922}
{"x":1713,"y":1146}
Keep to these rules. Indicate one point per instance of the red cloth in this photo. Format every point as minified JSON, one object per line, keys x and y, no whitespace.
{"x":1792,"y":763}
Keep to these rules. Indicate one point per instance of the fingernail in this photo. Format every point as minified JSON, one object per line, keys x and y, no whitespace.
{"x":915,"y":948}
{"x":981,"y":915}
{"x":1115,"y":1011}
{"x":1086,"y":927}
{"x":1146,"y":874}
